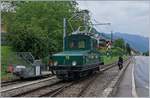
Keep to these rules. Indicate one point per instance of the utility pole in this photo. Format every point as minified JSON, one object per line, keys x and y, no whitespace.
{"x":85,"y":13}
{"x":111,"y":36}
{"x":64,"y":35}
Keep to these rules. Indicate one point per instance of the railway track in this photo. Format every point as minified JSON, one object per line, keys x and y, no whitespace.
{"x":17,"y":81}
{"x":57,"y":91}
{"x":55,"y":88}
{"x":60,"y":89}
{"x":40,"y":91}
{"x":6,"y":83}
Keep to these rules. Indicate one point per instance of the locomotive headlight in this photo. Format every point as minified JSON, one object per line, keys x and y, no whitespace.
{"x":74,"y":63}
{"x":55,"y":63}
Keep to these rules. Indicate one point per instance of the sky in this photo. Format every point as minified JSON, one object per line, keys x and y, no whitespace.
{"x":131,"y":17}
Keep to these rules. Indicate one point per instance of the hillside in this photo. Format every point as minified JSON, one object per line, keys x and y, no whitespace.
{"x":137,"y":42}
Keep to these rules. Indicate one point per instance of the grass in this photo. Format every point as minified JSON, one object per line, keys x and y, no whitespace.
{"x":125,"y":56}
{"x":110,"y":60}
{"x":5,"y":51}
{"x":116,"y":52}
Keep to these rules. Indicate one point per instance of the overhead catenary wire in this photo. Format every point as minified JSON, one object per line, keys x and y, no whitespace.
{"x":97,"y":26}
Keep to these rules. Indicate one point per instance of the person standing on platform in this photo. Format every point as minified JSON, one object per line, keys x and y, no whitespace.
{"x":50,"y":64}
{"x":120,"y":62}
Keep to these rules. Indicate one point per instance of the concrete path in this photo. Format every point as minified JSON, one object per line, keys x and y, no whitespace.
{"x":141,"y":75}
{"x":125,"y":87}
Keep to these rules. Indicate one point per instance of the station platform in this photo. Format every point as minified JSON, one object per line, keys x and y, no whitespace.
{"x":46,"y":73}
{"x":124,"y":89}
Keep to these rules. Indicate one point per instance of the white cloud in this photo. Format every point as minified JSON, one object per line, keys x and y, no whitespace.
{"x":126,"y":16}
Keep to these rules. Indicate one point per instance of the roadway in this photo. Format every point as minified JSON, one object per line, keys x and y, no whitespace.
{"x":141,"y":75}
{"x":135,"y":81}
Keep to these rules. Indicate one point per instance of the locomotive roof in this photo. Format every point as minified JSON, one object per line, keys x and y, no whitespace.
{"x":84,"y":35}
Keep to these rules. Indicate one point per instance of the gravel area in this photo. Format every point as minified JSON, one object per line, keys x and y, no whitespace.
{"x":97,"y":87}
{"x":77,"y":87}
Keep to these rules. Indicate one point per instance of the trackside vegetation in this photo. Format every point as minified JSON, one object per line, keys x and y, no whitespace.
{"x":37,"y":27}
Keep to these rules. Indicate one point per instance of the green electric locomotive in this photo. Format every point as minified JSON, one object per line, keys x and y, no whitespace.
{"x":79,"y":58}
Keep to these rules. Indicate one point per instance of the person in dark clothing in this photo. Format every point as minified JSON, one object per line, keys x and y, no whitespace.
{"x":50,"y":64}
{"x":120,"y":63}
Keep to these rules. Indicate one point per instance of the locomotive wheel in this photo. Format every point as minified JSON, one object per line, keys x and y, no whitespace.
{"x":90,"y":72}
{"x":83,"y":73}
{"x":22,"y":78}
{"x":76,"y":75}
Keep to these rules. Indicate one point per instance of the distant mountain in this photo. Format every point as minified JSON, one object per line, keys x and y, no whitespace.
{"x":137,"y":42}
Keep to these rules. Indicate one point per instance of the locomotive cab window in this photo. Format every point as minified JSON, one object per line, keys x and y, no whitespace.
{"x":73,"y":44}
{"x":77,"y":42}
{"x":81,"y":44}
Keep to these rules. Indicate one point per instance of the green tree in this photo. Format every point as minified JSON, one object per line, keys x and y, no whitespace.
{"x":146,"y":53}
{"x":119,"y":43}
{"x":128,"y":48}
{"x":37,"y":27}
